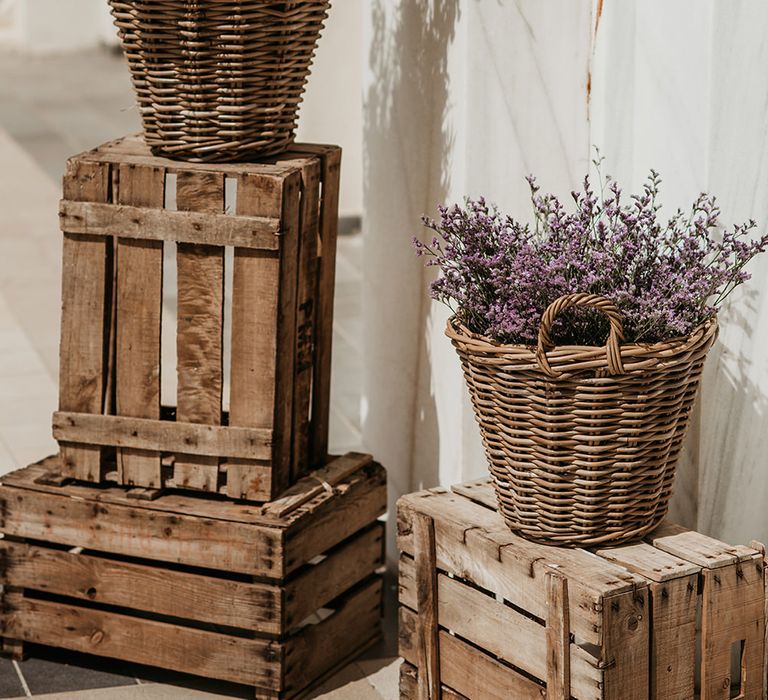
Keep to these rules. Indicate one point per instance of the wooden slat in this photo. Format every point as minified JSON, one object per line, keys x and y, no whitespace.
{"x":329,"y":224}
{"x":654,"y":564}
{"x":160,"y":644}
{"x":138,"y":324}
{"x":428,"y":652}
{"x":332,"y":518}
{"x":263,"y":326}
{"x":558,"y":638}
{"x":83,"y":317}
{"x":733,"y":605}
{"x":467,"y":670}
{"x":409,"y":680}
{"x":306,"y":317}
{"x":354,"y":625}
{"x":200,"y":330}
{"x":11,"y":599}
{"x":625,"y":649}
{"x":673,"y":638}
{"x":474,"y":543}
{"x":167,"y":436}
{"x":697,"y":548}
{"x":760,"y":547}
{"x":366,"y":487}
{"x":500,"y":630}
{"x":144,"y":532}
{"x":205,"y":598}
{"x":145,"y":222}
{"x":342,"y":568}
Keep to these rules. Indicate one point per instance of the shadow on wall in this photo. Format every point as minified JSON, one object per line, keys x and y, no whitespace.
{"x":408,"y":143}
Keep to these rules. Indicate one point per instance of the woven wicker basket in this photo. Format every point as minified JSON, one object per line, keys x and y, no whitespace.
{"x":219,"y":80}
{"x":582,"y":442}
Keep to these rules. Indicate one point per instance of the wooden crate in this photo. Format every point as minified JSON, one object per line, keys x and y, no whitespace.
{"x":485,"y":614}
{"x":276,"y":596}
{"x":121,"y":206}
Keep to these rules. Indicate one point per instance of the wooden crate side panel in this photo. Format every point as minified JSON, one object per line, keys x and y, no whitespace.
{"x":251,"y":661}
{"x":697,"y":548}
{"x":501,"y":630}
{"x":200,"y":332}
{"x":339,"y":571}
{"x":626,"y":646}
{"x":306,"y":310}
{"x":673,"y":638}
{"x":86,"y":303}
{"x":143,"y":532}
{"x":352,"y":627}
{"x":256,"y":335}
{"x":466,"y":669}
{"x":733,"y":600}
{"x":205,"y":598}
{"x":138,"y":324}
{"x":329,"y":226}
{"x":473,"y":543}
{"x":358,"y":502}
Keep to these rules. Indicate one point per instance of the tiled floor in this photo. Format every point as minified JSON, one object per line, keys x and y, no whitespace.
{"x":51,"y":108}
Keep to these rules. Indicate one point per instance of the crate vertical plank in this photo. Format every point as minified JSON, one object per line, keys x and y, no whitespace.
{"x":329,"y":224}
{"x":263,"y":323}
{"x":760,"y":547}
{"x":426,"y":607}
{"x":305,"y":320}
{"x":200,"y":331}
{"x":673,"y":638}
{"x":12,"y":599}
{"x":85,"y":287}
{"x":732,"y":611}
{"x":558,"y":638}
{"x":626,"y":646}
{"x":139,"y":320}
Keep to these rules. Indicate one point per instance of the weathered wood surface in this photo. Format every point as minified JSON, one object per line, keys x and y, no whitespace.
{"x":152,"y":222}
{"x":164,"y":436}
{"x":85,"y":305}
{"x":558,"y":636}
{"x":200,"y":327}
{"x":427,"y":652}
{"x":409,"y":681}
{"x":138,"y":324}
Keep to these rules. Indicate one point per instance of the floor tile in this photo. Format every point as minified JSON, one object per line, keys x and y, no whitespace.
{"x":10,"y":685}
{"x":383,"y":675}
{"x":348,"y":684}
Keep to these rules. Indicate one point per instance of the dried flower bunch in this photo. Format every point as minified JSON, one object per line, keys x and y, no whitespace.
{"x":500,"y":275}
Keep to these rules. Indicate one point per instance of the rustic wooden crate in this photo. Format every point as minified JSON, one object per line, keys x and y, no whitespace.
{"x":121,"y":206}
{"x":485,"y":614}
{"x":277,"y":596}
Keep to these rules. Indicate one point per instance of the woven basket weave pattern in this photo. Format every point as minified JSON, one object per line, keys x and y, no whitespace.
{"x":219,"y":80}
{"x":582,"y":442}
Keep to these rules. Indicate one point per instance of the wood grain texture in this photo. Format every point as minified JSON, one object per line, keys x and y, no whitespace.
{"x":140,"y":529}
{"x":428,"y":651}
{"x":306,"y":317}
{"x":149,"y":223}
{"x":625,"y":651}
{"x":329,"y":224}
{"x":732,"y":611}
{"x":650,"y":562}
{"x":558,"y":638}
{"x":502,"y":631}
{"x":157,"y":589}
{"x":697,"y":548}
{"x":468,"y":670}
{"x":257,"y":338}
{"x":159,"y":644}
{"x":200,"y":330}
{"x":673,"y":638}
{"x":162,"y":435}
{"x":84,"y":315}
{"x":760,"y":548}
{"x":138,"y":324}
{"x":409,"y":680}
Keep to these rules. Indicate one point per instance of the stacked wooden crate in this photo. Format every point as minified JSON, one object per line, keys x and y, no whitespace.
{"x":485,"y":614}
{"x":120,"y":206}
{"x":226,"y":543}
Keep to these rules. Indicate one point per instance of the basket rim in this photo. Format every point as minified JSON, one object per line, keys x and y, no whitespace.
{"x":577,"y":358}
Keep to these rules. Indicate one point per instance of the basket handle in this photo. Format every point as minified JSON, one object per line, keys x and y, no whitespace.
{"x":569,"y":301}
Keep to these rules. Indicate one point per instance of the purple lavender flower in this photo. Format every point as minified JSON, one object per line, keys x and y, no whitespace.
{"x":500,"y":275}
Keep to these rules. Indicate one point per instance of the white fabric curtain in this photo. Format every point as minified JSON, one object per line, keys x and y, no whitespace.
{"x":469,"y":96}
